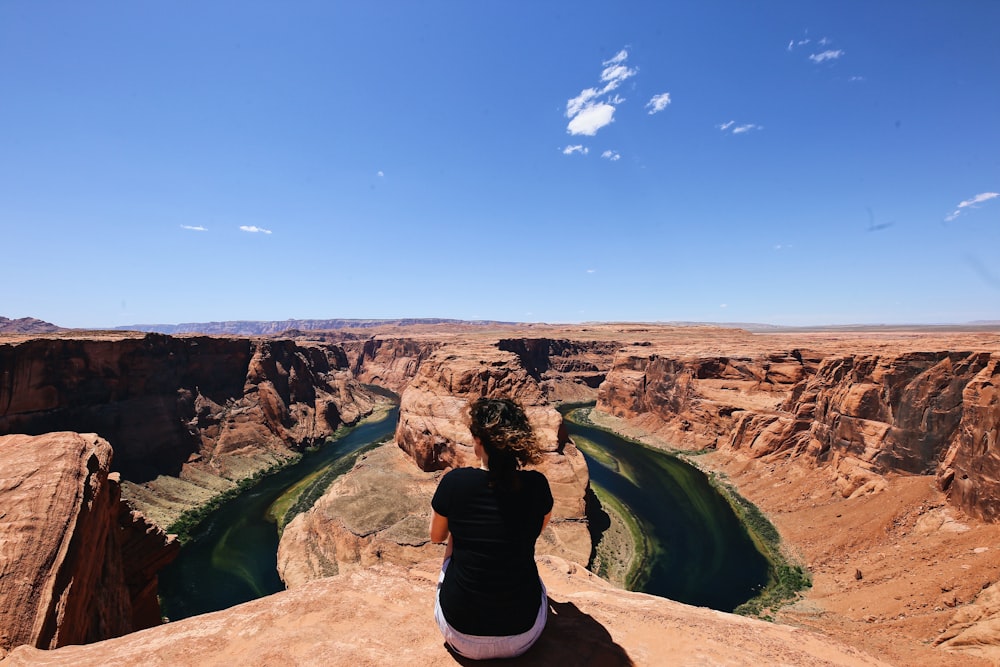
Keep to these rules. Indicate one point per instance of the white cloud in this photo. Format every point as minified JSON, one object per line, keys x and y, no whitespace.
{"x":591,"y":119}
{"x":826,"y":55}
{"x":824,"y":41}
{"x":792,"y":43}
{"x":611,"y":155}
{"x":978,"y":199}
{"x":254,"y":229}
{"x":617,"y":58}
{"x":739,"y":129}
{"x":856,"y":78}
{"x":590,"y":111}
{"x":591,"y":270}
{"x":614,"y":75}
{"x":578,"y":103}
{"x":658,"y":103}
{"x":195,"y":228}
{"x":723,"y":305}
{"x":380,"y":173}
{"x":582,"y":150}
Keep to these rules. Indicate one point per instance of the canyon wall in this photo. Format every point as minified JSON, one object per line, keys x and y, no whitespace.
{"x":381,"y":509}
{"x":866,"y":415}
{"x":211,"y":410}
{"x":76,"y":564}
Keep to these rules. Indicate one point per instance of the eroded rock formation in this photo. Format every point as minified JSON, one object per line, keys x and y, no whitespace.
{"x":205,"y":410}
{"x":76,"y":565}
{"x":381,"y":509}
{"x":382,"y":616}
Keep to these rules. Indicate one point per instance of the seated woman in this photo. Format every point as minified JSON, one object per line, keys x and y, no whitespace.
{"x":490,"y":601}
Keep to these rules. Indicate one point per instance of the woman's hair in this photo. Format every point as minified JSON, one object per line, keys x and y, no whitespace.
{"x":504,"y":432}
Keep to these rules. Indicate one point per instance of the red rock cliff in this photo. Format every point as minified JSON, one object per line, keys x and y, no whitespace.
{"x":76,"y":566}
{"x":864,"y":414}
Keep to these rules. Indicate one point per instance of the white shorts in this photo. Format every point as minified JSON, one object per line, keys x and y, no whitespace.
{"x":477,"y":647}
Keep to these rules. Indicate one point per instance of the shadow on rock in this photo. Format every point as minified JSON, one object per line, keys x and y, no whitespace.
{"x":571,"y":637}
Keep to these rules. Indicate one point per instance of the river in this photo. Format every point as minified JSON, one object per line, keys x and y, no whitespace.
{"x":233,"y":555}
{"x":699,"y":553}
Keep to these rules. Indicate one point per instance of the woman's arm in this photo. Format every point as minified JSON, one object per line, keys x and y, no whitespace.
{"x":440,"y":532}
{"x":439,"y":527}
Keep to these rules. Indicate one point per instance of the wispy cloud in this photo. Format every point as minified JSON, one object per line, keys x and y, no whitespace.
{"x":254,"y":229}
{"x":854,"y":79}
{"x":611,"y":155}
{"x":658,"y":103}
{"x":195,"y":228}
{"x":591,"y":110}
{"x":591,"y":119}
{"x":793,"y":43}
{"x":830,"y":54}
{"x":971,"y":203}
{"x":733,"y":128}
{"x":578,"y":148}
{"x":380,"y":173}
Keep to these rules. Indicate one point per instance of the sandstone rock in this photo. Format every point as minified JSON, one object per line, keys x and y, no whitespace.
{"x":75,"y":565}
{"x":433,"y":428}
{"x":226,"y":407}
{"x":383,"y":615}
{"x":975,"y":627}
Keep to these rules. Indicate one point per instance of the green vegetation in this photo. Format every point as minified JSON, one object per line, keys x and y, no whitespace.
{"x":787,"y":579}
{"x":306,"y":492}
{"x":608,"y":555}
{"x":186,"y":524}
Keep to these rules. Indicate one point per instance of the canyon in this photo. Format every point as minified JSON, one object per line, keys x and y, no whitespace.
{"x":872,"y":452}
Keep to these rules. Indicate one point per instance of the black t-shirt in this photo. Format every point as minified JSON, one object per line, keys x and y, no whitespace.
{"x":491,"y":587}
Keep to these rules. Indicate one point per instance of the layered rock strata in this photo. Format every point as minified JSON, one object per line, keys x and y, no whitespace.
{"x":382,"y":615}
{"x":185,"y":416}
{"x":76,"y":565}
{"x":381,"y":508}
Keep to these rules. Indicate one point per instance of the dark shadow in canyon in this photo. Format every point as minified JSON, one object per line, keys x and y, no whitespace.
{"x":571,"y":637}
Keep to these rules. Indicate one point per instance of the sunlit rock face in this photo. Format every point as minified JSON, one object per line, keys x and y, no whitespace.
{"x":864,"y":414}
{"x":970,"y":471}
{"x":380,"y":510}
{"x":382,"y":615}
{"x":76,"y":565}
{"x":196,"y":407}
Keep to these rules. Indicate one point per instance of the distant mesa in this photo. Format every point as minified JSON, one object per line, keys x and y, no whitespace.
{"x":26,"y":325}
{"x":267,"y":328}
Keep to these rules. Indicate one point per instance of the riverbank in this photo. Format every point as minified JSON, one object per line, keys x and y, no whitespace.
{"x":179,"y":504}
{"x":786,"y":577}
{"x":919,"y":560}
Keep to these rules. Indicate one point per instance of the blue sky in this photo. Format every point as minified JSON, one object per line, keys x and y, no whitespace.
{"x":782,"y":162}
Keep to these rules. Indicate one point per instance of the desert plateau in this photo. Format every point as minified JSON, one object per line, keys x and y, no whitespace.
{"x":872,"y":452}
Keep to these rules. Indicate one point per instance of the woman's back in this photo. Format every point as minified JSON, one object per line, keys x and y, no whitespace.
{"x":491,"y":586}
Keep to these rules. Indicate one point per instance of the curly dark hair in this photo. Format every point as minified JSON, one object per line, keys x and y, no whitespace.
{"x":505,"y":434}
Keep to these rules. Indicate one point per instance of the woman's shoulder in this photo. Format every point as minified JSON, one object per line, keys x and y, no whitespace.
{"x":460,"y":475}
{"x":533,"y":478}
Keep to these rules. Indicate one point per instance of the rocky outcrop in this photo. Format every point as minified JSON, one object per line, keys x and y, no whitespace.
{"x":382,"y":615}
{"x":389,"y":362}
{"x":866,"y":415}
{"x":76,"y":565}
{"x":695,"y":402}
{"x":381,"y":508}
{"x":187,"y":408}
{"x":970,"y":472}
{"x":975,"y":628}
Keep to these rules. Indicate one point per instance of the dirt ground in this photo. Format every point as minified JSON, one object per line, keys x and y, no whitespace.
{"x":889,"y":569}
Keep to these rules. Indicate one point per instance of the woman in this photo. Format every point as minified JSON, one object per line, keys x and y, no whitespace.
{"x":490,"y":601}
